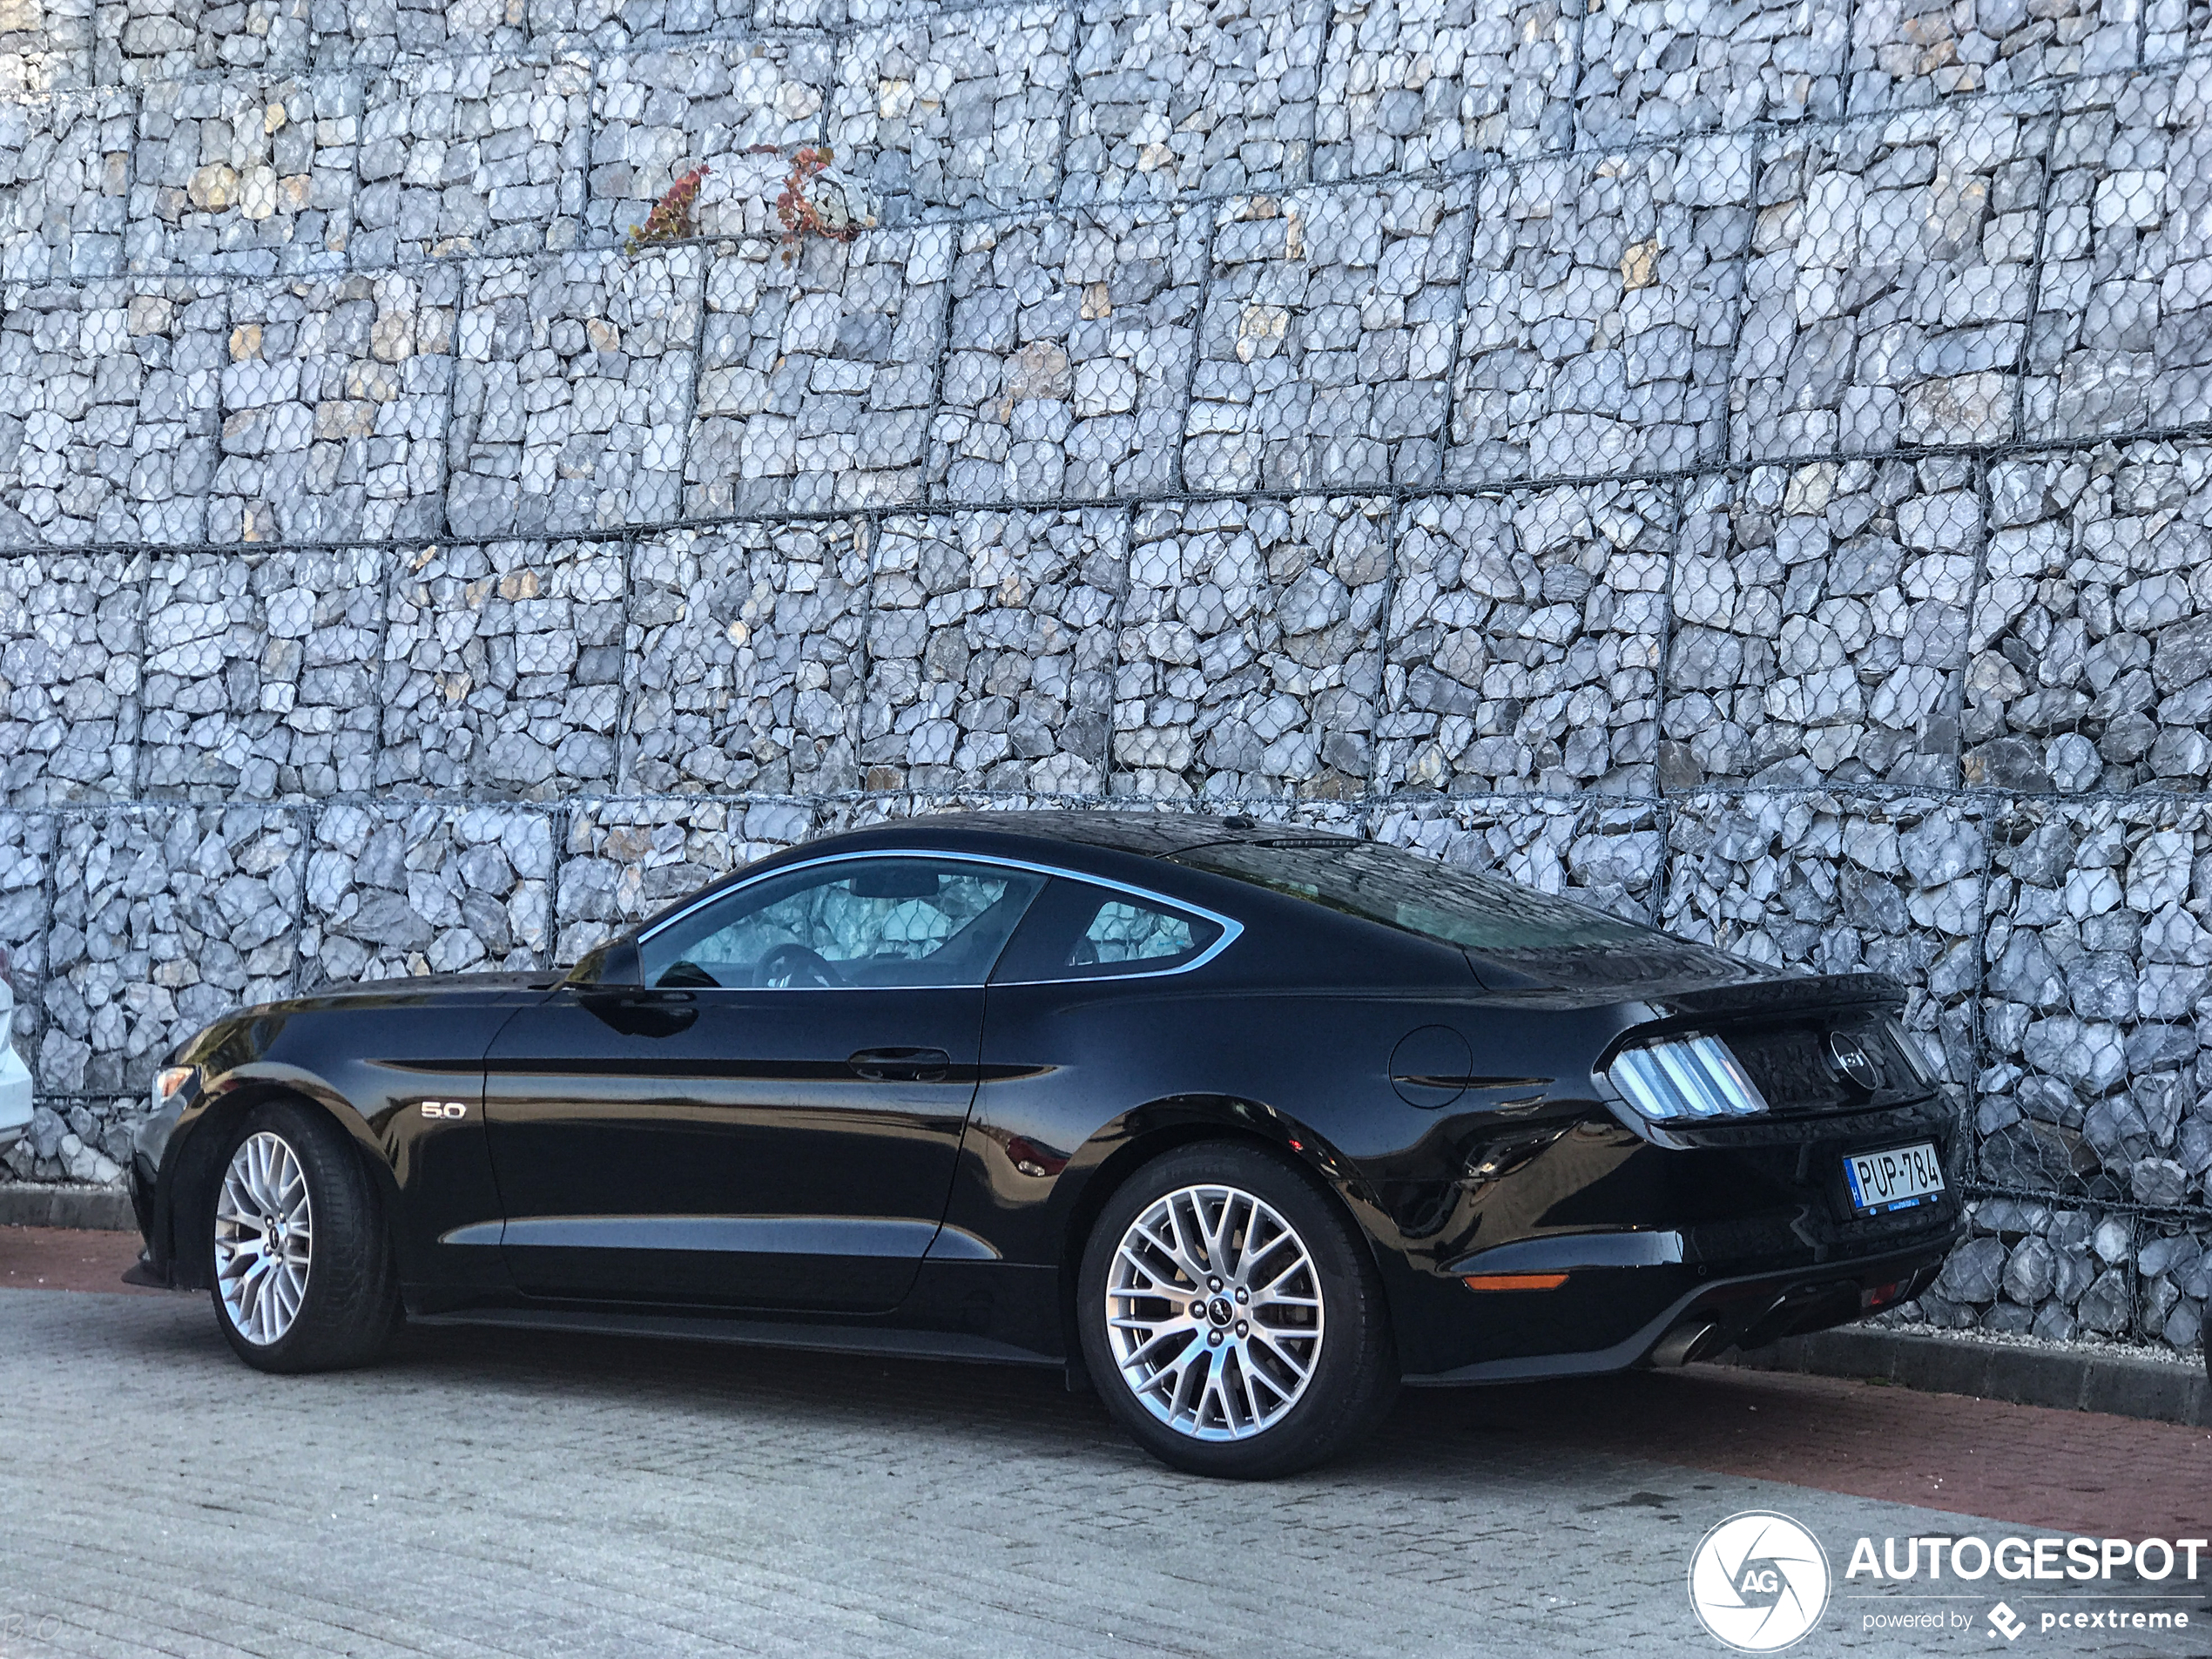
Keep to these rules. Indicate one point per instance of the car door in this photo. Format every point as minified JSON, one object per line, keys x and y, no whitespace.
{"x":771,"y":1117}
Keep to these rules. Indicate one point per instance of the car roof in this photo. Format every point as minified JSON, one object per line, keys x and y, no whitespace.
{"x":1154,"y":834}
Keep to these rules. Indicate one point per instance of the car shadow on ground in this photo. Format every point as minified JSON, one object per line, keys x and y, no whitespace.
{"x":1658,"y":1437}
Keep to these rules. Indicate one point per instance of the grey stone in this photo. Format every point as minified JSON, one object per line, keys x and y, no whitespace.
{"x":748,"y":642}
{"x":334,"y":406}
{"x":573,"y":394}
{"x":1602,"y":300}
{"x":394,"y":890}
{"x":992,"y":639}
{"x":485,"y":685}
{"x":1222,"y":689}
{"x":1468,"y":607}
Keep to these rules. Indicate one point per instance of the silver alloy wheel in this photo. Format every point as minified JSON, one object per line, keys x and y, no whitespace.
{"x":264,"y":1238}
{"x":1213,"y":1312}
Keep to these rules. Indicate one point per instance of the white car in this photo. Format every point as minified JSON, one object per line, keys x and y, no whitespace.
{"x":15,"y":1077}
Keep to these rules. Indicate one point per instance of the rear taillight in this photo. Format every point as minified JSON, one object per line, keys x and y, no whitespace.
{"x":1684,"y":1080}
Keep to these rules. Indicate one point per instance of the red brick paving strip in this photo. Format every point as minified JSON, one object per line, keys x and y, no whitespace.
{"x":2056,"y":1470}
{"x":2053,"y":1470}
{"x":67,"y":1259}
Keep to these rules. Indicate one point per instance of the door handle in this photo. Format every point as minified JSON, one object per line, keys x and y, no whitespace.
{"x":901,"y":1065}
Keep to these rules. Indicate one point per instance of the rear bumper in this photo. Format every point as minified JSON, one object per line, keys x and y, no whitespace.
{"x":1704,"y":1318}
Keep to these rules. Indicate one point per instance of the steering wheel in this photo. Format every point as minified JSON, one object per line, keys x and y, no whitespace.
{"x":793,"y":966}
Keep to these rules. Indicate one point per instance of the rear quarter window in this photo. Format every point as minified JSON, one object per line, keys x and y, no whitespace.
{"x":1075,"y":930}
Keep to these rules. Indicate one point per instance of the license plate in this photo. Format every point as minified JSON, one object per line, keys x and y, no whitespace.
{"x":1896,"y":1179}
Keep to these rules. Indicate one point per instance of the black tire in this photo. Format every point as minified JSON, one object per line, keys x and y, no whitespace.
{"x":1352,"y":1379}
{"x":351,"y":1300}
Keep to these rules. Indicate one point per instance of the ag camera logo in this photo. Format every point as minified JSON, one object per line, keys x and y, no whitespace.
{"x":1758,"y":1582}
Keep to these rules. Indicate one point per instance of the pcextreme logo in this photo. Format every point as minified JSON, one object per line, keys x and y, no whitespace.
{"x":1759,"y":1582}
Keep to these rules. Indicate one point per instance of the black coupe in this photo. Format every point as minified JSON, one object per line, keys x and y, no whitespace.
{"x":1245,"y":1123}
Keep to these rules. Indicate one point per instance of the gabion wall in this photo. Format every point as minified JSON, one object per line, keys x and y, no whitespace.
{"x":1746,"y":463}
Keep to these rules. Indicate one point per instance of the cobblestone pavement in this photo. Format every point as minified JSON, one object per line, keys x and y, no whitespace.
{"x":490,"y":1494}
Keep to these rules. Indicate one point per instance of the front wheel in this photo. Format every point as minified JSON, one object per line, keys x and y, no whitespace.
{"x":1232,"y":1316}
{"x":302,"y":1274}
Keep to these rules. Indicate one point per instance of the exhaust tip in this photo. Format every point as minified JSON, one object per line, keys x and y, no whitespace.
{"x":1678,"y":1344}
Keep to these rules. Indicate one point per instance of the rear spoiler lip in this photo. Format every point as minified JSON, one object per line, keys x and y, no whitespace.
{"x":1765,"y":998}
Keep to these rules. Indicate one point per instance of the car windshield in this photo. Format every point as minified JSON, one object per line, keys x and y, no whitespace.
{"x":1452,"y":907}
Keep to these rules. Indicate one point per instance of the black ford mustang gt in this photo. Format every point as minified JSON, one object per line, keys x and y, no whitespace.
{"x":1247,"y":1123}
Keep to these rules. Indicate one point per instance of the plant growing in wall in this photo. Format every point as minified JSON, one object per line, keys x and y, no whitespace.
{"x":671,"y":218}
{"x":816,"y":200}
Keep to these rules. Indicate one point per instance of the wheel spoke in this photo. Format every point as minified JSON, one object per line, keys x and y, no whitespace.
{"x":1227,"y":1253}
{"x":264,"y":1238}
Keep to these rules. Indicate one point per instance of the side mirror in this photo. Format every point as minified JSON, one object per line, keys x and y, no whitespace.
{"x":614,"y":963}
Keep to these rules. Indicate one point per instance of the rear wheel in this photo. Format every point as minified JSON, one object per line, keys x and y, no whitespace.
{"x":302,"y":1276}
{"x":1232,"y":1316}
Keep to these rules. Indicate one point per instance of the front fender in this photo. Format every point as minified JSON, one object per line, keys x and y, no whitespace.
{"x":369,"y":1061}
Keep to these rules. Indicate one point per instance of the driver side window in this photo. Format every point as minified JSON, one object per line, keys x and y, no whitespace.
{"x":884,"y":922}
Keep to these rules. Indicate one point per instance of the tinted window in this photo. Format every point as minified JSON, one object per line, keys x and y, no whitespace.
{"x":1417,"y":895}
{"x":863,"y":922}
{"x":1078,"y":931}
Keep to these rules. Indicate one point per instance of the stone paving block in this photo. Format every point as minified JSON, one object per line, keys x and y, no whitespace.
{"x":138,"y":42}
{"x":746,"y":646}
{"x":657,"y":114}
{"x":108,"y":410}
{"x":2054,"y":1271}
{"x":249,"y":175}
{"x":1215,"y":98}
{"x":473,"y":155}
{"x":334,"y":406}
{"x":573,"y":391}
{"x":1888,"y":288}
{"x":1526,"y":636}
{"x":1250,"y":646}
{"x":2122,"y":336}
{"x":1410,"y":86}
{"x":1070,"y":356}
{"x":27,"y":843}
{"x":393,"y":889}
{"x":1829,"y":882}
{"x":382,"y":33}
{"x":1820,"y":625}
{"x":502,"y":669}
{"x":2098,"y":955}
{"x":991,"y":650}
{"x":955,"y":109}
{"x":45,"y":46}
{"x":165,"y":919}
{"x":259,"y":677}
{"x":2092,"y":637}
{"x":1602,"y":307}
{"x":1327,"y":341}
{"x":64,"y":173}
{"x":1659,"y":69}
{"x":817,"y":374}
{"x":625,"y":859}
{"x":70,"y":633}
{"x":1608,"y":854}
{"x":1915,"y":53}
